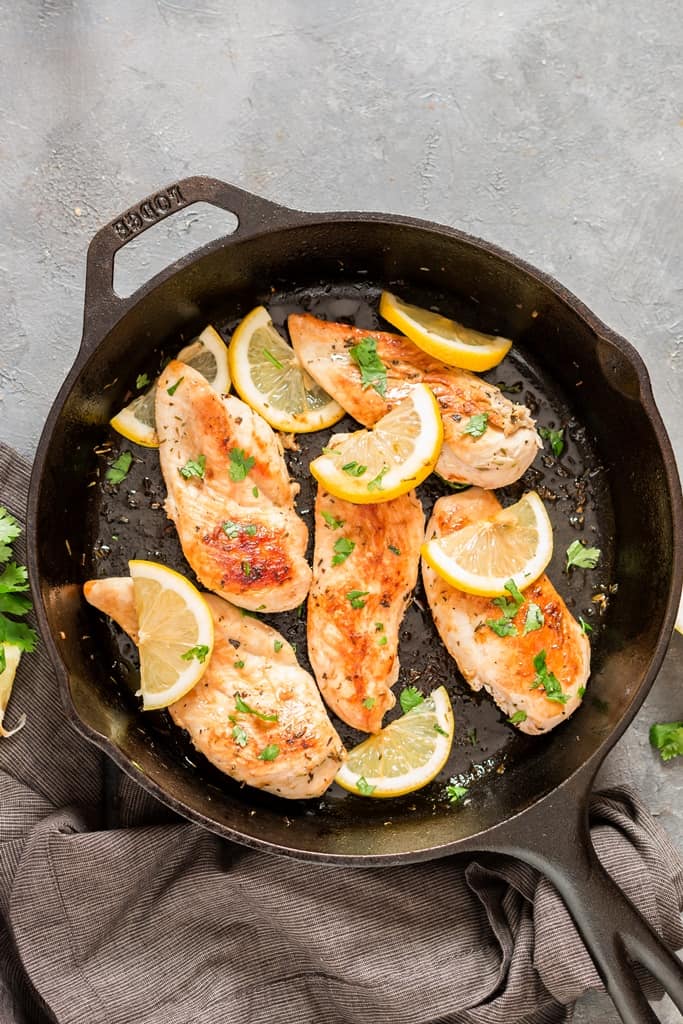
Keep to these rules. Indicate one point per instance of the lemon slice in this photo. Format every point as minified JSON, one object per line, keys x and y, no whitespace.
{"x":406,"y":755}
{"x":12,"y":656}
{"x":175,"y":633}
{"x":679,"y":618}
{"x":442,"y":338}
{"x":376,"y":465}
{"x":516,"y":544}
{"x":208,"y":354}
{"x":268,"y":376}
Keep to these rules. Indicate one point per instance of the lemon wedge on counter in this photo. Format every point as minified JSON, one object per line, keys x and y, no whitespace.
{"x":442,"y":338}
{"x":376,"y":465}
{"x":515,"y":544}
{"x":175,"y":633}
{"x":405,"y":755}
{"x":679,"y":618}
{"x":12,"y":656}
{"x":208,"y":354}
{"x":269,"y":377}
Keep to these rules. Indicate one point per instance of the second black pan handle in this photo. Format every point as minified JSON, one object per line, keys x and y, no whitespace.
{"x":102,"y":306}
{"x":614,"y":932}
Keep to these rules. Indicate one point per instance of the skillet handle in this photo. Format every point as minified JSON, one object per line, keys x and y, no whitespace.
{"x":614,"y":932}
{"x":102,"y":306}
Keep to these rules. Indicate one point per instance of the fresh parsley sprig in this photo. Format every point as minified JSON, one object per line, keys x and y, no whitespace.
{"x":581,"y":556}
{"x":373,"y":372}
{"x":13,"y":605}
{"x":667,"y":738}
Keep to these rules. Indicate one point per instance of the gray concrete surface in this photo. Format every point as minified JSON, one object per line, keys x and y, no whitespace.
{"x":551,"y":129}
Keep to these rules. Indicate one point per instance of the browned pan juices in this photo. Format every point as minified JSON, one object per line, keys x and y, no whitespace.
{"x":129,"y":522}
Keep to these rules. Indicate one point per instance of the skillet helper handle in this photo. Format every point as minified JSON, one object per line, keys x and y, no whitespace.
{"x":556,"y":840}
{"x":102,"y":306}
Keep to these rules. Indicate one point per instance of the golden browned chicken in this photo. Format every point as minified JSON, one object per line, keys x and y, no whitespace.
{"x":229,"y":494}
{"x":488,"y":440}
{"x":255,"y":713}
{"x":546,"y":641}
{"x":365,"y":566}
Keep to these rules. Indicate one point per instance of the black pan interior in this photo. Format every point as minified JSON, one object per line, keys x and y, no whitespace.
{"x":610,"y":495}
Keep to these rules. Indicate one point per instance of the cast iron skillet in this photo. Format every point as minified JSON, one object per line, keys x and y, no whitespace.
{"x":616,"y":484}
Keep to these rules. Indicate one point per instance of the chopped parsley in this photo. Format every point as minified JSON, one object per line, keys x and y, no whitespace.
{"x":230,"y":529}
{"x":239,"y":735}
{"x":246,"y":709}
{"x":240,"y":464}
{"x":354,"y":468}
{"x":456,"y":793}
{"x":534,"y":619}
{"x":193,"y":468}
{"x":519,"y":716}
{"x":376,"y":483}
{"x":382,"y":642}
{"x":585,"y":626}
{"x":174,"y":387}
{"x":667,"y":737}
{"x":332,"y":521}
{"x":379,"y":627}
{"x":9,"y":531}
{"x":199,"y":653}
{"x":246,"y":568}
{"x":277,"y":646}
{"x":269,"y":753}
{"x":142,"y":381}
{"x":364,"y":787}
{"x":509,"y":608}
{"x":394,"y":550}
{"x":437,"y":728}
{"x":373,"y":372}
{"x":581,"y":556}
{"x":409,"y":698}
{"x":369,"y":703}
{"x":556,"y":438}
{"x":119,"y":469}
{"x":271,"y":359}
{"x":476,"y":425}
{"x":254,"y":491}
{"x":342,"y":549}
{"x":548,"y":680}
{"x":355,"y":598}
{"x":510,"y":389}
{"x":502,"y":627}
{"x":581,"y":692}
{"x":238,"y":664}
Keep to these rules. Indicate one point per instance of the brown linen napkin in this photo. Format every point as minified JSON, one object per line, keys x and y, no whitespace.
{"x":158,"y":922}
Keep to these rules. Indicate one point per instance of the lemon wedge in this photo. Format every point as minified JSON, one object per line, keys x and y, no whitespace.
{"x":442,"y":338}
{"x":405,"y":755}
{"x":175,"y":633}
{"x":208,"y":354}
{"x":268,"y":376}
{"x":679,"y":618}
{"x":12,"y":656}
{"x":515,"y":544}
{"x":376,"y":465}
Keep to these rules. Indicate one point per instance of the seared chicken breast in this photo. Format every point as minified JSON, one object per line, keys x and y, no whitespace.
{"x":252,"y":666}
{"x":365,"y":566}
{"x":491,"y":454}
{"x":229,"y":494}
{"x":504,"y":665}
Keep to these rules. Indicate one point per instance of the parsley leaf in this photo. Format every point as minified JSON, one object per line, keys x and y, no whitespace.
{"x":238,"y":664}
{"x":369,"y":702}
{"x":556,"y":438}
{"x":667,"y":737}
{"x":142,"y":381}
{"x":409,"y":698}
{"x":193,"y":468}
{"x":502,"y":627}
{"x":373,"y":372}
{"x":519,"y":716}
{"x":174,"y":387}
{"x":355,"y":597}
{"x":230,"y":529}
{"x":269,"y":753}
{"x":3,"y":660}
{"x":239,"y":735}
{"x":437,"y":728}
{"x":364,"y":787}
{"x":9,"y":531}
{"x":13,"y":578}
{"x":534,"y":619}
{"x":476,"y":425}
{"x":382,"y":642}
{"x":354,"y":468}
{"x":254,"y":491}
{"x":456,"y":793}
{"x":15,"y":604}
{"x":581,"y":692}
{"x":17,"y":633}
{"x":277,"y":646}
{"x":119,"y":469}
{"x":240,"y":464}
{"x":585,"y":626}
{"x":394,"y":550}
{"x":548,"y":680}
{"x":581,"y":556}
{"x":331,"y":521}
{"x":246,"y":709}
{"x":342,"y":549}
{"x":510,"y":608}
{"x":376,"y":484}
{"x":199,"y":652}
